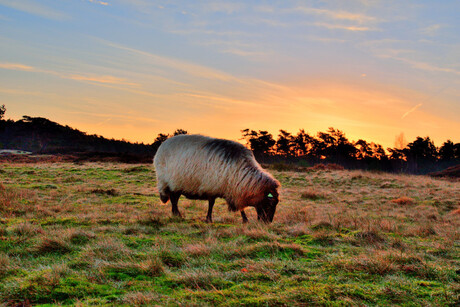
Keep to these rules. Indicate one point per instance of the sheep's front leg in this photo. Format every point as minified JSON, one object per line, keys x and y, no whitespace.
{"x":174,"y":197}
{"x":211,"y":205}
{"x":243,"y":215}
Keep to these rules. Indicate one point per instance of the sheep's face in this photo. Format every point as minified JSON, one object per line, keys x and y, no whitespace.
{"x":267,"y":207}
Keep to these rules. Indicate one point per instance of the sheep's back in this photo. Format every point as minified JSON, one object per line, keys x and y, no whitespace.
{"x":201,"y":165}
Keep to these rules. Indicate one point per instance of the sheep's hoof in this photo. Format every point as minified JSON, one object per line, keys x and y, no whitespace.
{"x":208,"y":220}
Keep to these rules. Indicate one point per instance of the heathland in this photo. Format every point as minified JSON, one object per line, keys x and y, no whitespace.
{"x":97,"y":234}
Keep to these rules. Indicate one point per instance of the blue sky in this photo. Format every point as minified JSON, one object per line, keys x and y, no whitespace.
{"x":133,"y":69}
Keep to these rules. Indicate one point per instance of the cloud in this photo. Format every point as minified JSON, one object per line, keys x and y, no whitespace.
{"x":427,"y":66}
{"x":342,"y":27}
{"x":17,"y":66}
{"x":411,"y":110}
{"x":34,"y":8}
{"x":246,"y":53}
{"x":431,"y":30}
{"x":92,"y":78}
{"x":101,"y":79}
{"x":180,"y":65}
{"x":336,"y":15}
{"x":325,"y":39}
{"x":99,"y":2}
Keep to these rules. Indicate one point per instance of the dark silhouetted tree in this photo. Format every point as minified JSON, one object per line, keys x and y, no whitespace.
{"x":420,"y":155}
{"x":261,"y":143}
{"x":302,"y":142}
{"x":180,"y":131}
{"x":285,"y":144}
{"x":447,"y":151}
{"x":422,"y":149}
{"x":363,"y":149}
{"x":335,"y":146}
{"x":2,"y":111}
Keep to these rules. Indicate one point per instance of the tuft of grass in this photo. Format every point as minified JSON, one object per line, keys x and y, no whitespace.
{"x":404,"y":201}
{"x":80,"y":236}
{"x":110,"y":192}
{"x":106,"y":248}
{"x":5,"y":264}
{"x":370,"y":237}
{"x":51,"y":245}
{"x":172,"y":258}
{"x":153,"y":266}
{"x":312,"y":194}
{"x":325,"y":167}
{"x":26,"y":229}
{"x":137,"y":298}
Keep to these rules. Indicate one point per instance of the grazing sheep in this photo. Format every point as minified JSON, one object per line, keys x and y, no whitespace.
{"x":206,"y":168}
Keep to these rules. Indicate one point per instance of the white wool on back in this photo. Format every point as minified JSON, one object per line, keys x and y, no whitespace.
{"x":184,"y":163}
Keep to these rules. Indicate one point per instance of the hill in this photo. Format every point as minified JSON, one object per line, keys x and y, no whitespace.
{"x":40,"y":135}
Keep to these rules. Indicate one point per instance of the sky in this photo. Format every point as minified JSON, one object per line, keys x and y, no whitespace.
{"x":131,"y":69}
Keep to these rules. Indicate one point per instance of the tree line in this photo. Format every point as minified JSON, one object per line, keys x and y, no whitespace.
{"x":332,"y":146}
{"x":41,"y":135}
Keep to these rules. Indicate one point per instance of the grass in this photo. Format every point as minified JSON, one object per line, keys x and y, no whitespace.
{"x":97,"y":234}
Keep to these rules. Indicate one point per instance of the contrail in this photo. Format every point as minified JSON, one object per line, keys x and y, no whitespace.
{"x":411,"y":110}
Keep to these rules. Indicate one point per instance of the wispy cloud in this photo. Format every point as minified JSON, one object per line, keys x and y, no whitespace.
{"x":99,"y":2}
{"x":34,"y":8}
{"x":180,"y":65}
{"x":411,"y":110}
{"x":246,"y":53}
{"x":101,"y":79}
{"x":16,"y":66}
{"x":92,"y":78}
{"x":326,"y":39}
{"x":427,"y":66}
{"x":342,"y":27}
{"x":431,"y":30}
{"x":337,"y":15}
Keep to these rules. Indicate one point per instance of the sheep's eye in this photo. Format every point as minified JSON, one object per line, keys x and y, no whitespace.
{"x":270,"y":195}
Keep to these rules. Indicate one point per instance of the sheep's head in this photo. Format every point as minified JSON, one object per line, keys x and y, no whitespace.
{"x":267,"y":206}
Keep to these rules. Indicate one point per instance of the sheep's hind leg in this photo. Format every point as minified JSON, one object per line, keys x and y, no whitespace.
{"x":211,"y":205}
{"x":243,"y":215}
{"x":174,"y":197}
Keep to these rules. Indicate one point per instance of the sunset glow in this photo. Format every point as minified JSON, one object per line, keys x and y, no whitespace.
{"x":134,"y":69}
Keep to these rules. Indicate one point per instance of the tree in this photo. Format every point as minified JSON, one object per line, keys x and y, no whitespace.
{"x":363,"y":149}
{"x":302,"y":142}
{"x":159,"y":140}
{"x":334,"y":145}
{"x":447,"y":151}
{"x":422,"y":149}
{"x":285,"y":143}
{"x":2,"y":111}
{"x":180,"y":131}
{"x":261,"y":143}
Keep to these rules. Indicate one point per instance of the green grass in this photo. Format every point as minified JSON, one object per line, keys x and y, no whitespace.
{"x":97,"y":234}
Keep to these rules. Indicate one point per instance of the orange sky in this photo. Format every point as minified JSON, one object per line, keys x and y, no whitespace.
{"x":133,"y":69}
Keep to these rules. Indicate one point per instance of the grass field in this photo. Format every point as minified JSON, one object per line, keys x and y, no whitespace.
{"x":96,"y":234}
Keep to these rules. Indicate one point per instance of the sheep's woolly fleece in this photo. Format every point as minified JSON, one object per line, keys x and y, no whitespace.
{"x":200,"y":165}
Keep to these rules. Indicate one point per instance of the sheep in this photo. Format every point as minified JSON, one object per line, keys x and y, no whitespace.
{"x":205,"y":168}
